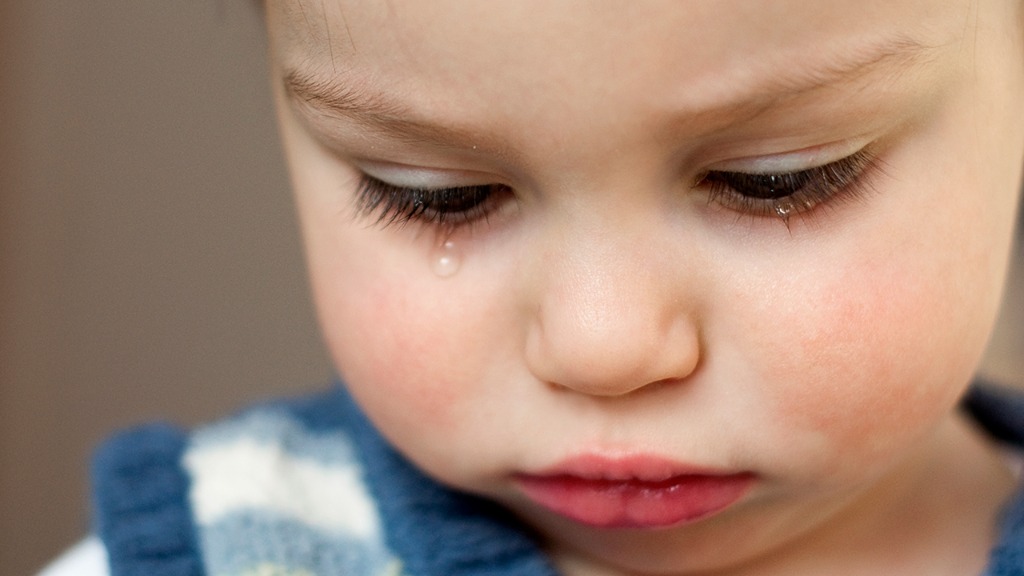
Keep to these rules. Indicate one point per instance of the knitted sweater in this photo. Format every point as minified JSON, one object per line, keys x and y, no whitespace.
{"x":297,"y":488}
{"x":309,"y":488}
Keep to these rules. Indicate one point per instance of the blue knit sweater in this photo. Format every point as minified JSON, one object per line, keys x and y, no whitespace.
{"x":309,"y":488}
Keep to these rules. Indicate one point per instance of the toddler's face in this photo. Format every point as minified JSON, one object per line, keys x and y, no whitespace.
{"x":562,"y":250}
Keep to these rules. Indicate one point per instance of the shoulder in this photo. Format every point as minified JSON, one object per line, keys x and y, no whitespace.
{"x":87,"y":558}
{"x":279,"y":484}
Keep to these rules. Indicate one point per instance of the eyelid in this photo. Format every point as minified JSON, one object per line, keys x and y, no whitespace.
{"x":795,"y":161}
{"x":421,"y":178}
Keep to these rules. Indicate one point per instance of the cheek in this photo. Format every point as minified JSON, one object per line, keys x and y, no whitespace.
{"x":860,"y":350}
{"x":390,"y":348}
{"x":414,"y":349}
{"x":406,"y":361}
{"x":878,"y":350}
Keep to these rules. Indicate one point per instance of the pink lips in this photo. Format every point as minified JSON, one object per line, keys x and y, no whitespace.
{"x":636,"y":492}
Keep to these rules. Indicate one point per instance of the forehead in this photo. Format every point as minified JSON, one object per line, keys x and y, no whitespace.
{"x":540,"y":62}
{"x":545,"y":40}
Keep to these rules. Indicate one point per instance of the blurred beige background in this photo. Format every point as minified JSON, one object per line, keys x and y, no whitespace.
{"x":150,"y":265}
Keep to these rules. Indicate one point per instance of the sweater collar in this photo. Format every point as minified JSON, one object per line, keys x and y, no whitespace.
{"x":434,"y":530}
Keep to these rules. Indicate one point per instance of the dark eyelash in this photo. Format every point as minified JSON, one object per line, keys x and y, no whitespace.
{"x":788,"y":194}
{"x":396,"y":205}
{"x":760,"y":195}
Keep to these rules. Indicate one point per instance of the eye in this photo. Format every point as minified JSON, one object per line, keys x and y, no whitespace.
{"x":389,"y":204}
{"x":791,"y":193}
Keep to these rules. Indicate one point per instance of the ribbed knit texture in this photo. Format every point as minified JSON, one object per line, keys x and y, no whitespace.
{"x":273,"y":493}
{"x":141,"y":502}
{"x":295,"y":488}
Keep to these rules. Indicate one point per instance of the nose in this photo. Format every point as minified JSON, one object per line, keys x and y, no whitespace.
{"x":611,"y":318}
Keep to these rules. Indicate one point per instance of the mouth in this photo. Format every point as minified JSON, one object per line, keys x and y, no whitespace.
{"x":637,"y":492}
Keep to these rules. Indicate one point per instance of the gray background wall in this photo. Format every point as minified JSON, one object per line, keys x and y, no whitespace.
{"x":149,"y":263}
{"x":150,"y":266}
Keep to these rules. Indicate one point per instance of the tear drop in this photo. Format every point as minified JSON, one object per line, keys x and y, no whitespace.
{"x":783,"y":208}
{"x":446,"y":259}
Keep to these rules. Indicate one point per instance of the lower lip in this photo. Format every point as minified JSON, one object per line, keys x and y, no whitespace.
{"x":632,"y":503}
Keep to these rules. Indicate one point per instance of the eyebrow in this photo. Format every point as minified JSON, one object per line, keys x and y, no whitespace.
{"x":345,"y":96}
{"x":897,"y":55}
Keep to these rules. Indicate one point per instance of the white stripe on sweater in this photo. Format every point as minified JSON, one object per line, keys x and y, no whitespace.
{"x":243,"y":474}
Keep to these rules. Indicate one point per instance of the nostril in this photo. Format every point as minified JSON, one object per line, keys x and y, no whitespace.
{"x":659,"y":384}
{"x":621,"y":389}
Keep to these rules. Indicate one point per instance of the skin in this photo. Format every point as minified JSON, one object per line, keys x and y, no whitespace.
{"x":611,"y":304}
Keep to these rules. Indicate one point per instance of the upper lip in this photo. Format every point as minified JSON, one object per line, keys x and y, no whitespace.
{"x":628,"y":468}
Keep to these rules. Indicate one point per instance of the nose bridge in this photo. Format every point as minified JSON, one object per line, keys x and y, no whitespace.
{"x":610,"y":318}
{"x":603,"y":285}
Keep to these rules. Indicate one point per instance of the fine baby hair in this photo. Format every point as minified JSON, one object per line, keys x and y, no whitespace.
{"x":673,"y":288}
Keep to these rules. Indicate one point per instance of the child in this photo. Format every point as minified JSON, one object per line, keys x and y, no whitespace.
{"x":624,"y":288}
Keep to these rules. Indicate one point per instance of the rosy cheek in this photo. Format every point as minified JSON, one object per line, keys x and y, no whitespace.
{"x":393,"y":350}
{"x":868,"y":366}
